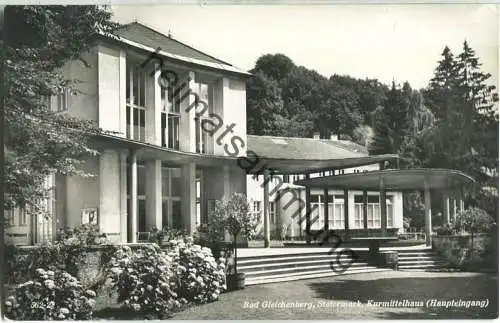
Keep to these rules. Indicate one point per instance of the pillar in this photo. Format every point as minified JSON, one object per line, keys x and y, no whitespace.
{"x":383,"y":207}
{"x":308,"y":213}
{"x":346,"y":213}
{"x":446,"y":208}
{"x":133,"y":197}
{"x":123,"y":197}
{"x":153,"y":195}
{"x":188,"y":196}
{"x":153,"y":109}
{"x":325,"y":212}
{"x":427,"y":214}
{"x":267,"y":234}
{"x":187,"y":136}
{"x":365,"y":211}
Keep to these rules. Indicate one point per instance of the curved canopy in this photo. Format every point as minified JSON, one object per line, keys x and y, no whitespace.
{"x":393,"y":179}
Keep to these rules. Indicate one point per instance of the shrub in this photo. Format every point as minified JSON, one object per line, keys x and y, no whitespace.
{"x":163,"y":236}
{"x":444,"y":230}
{"x":51,"y":295}
{"x":83,"y":235}
{"x":144,"y":280}
{"x":200,"y":279}
{"x":67,"y":253}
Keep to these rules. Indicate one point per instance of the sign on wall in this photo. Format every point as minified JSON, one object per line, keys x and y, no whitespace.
{"x":90,"y":215}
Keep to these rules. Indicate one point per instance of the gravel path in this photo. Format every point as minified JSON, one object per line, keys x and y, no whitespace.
{"x":350,"y":296}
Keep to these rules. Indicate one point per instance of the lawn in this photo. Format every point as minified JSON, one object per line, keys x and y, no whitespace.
{"x":346,"y":297}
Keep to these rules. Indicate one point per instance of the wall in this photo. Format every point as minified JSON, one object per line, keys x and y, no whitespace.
{"x":457,"y":251}
{"x":82,"y":192}
{"x":110,"y":194}
{"x":84,"y":105}
{"x":110,"y":77}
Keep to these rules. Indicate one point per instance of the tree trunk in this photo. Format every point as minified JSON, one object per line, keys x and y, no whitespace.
{"x":235,"y":255}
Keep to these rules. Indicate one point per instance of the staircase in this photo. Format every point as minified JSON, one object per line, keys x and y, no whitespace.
{"x":420,"y":259}
{"x":287,"y":267}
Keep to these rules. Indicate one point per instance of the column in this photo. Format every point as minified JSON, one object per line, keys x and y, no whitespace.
{"x":383,"y":207}
{"x":365,"y":211}
{"x":153,"y":109}
{"x":446,"y":208}
{"x":346,"y":213}
{"x":325,"y":212}
{"x":428,"y":214}
{"x":153,"y":194}
{"x":133,"y":197}
{"x":188,"y":197}
{"x":308,"y":213}
{"x":123,"y":197}
{"x":187,"y":124}
{"x":267,"y":234}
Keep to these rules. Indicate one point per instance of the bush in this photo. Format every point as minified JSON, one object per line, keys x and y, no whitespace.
{"x":83,"y":235}
{"x":144,"y":281}
{"x":200,"y":279}
{"x":445,"y":230}
{"x":67,"y":253}
{"x":51,"y":295}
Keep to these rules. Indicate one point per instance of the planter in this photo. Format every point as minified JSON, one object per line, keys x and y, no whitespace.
{"x":235,"y":281}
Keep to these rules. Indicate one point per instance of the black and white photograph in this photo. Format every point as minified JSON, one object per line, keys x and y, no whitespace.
{"x":210,"y":160}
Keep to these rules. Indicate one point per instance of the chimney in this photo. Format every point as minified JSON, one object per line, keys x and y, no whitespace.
{"x":334,"y":137}
{"x":316,"y":136}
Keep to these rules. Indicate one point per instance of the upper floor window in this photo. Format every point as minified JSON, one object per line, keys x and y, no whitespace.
{"x":136,"y":102}
{"x":203,"y":110}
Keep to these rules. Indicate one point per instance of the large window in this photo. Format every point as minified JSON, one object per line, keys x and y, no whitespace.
{"x":338,"y":213}
{"x":136,"y":102}
{"x":272,"y":212}
{"x":358,"y":212}
{"x":373,"y":217}
{"x":317,"y":212}
{"x":203,"y":110}
{"x":170,"y":118}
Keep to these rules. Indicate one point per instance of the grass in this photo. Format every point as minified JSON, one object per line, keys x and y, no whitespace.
{"x":338,"y":297}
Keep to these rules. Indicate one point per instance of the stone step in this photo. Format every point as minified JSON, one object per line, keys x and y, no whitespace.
{"x":309,"y":275}
{"x":293,"y":261}
{"x":304,"y":268}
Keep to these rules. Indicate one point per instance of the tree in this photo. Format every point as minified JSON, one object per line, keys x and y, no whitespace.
{"x":264,"y":105}
{"x":239,"y":220}
{"x":465,"y":134}
{"x":38,"y":141}
{"x":276,"y":66}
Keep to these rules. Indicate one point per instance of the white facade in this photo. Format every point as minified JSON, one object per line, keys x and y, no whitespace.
{"x":288,"y":217}
{"x":173,"y":187}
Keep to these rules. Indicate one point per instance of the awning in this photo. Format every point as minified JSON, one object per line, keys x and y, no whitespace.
{"x":276,"y":165}
{"x":394,"y":179}
{"x":147,"y":151}
{"x":303,"y":166}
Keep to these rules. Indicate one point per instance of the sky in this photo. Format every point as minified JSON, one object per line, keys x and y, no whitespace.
{"x":385,"y":42}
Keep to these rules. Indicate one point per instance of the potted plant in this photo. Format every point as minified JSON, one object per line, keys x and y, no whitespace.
{"x":239,"y":221}
{"x":214,"y":233}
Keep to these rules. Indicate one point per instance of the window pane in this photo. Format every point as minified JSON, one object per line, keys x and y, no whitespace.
{"x":373,"y":199}
{"x":176,"y":186}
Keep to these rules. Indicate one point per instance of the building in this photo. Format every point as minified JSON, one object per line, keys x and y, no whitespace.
{"x":169,"y":155}
{"x":287,"y":219}
{"x":176,"y":142}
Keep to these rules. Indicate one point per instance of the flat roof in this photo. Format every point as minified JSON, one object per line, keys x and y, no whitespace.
{"x":275,"y":165}
{"x":394,"y":179}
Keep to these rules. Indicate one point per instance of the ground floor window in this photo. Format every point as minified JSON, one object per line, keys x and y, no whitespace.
{"x":358,"y":212}
{"x":373,"y":210}
{"x":272,"y":212}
